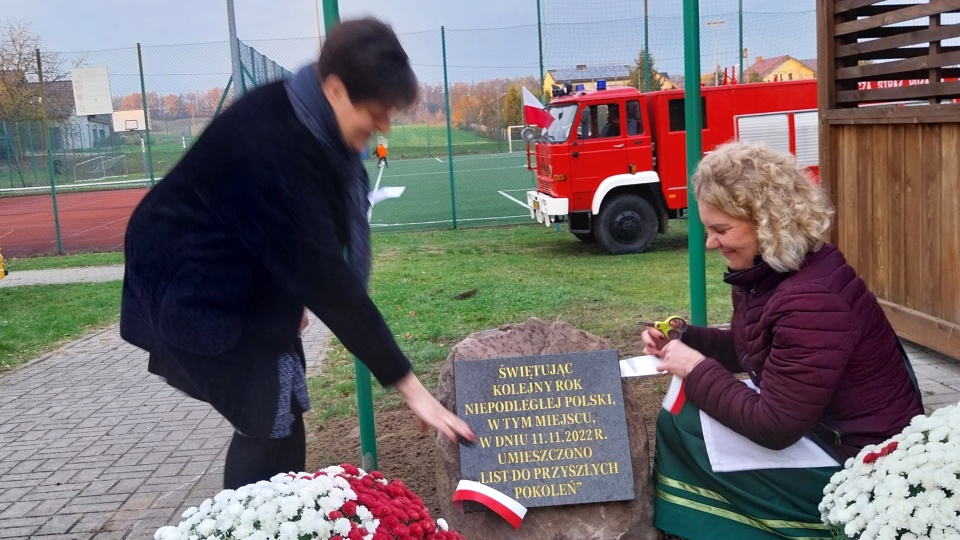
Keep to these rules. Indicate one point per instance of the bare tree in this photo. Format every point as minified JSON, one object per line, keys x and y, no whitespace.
{"x":19,"y":91}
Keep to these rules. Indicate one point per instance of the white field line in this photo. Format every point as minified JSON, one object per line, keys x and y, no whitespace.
{"x":514,"y":199}
{"x":444,"y":221}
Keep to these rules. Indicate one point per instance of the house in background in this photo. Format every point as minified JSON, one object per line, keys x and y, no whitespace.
{"x":68,"y":131}
{"x":615,"y":75}
{"x":780,"y":68}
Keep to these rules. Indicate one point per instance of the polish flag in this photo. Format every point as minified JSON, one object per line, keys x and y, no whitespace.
{"x":676,"y":396}
{"x":534,"y":114}
{"x":505,"y":506}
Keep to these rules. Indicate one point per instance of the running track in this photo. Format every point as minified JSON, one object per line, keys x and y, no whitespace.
{"x":89,"y":221}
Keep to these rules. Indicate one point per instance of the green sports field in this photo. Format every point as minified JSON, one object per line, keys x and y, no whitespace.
{"x":488,"y":190}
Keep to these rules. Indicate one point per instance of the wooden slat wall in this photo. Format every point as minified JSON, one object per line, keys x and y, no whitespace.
{"x":871,"y":42}
{"x":894,"y":172}
{"x":898,"y":222}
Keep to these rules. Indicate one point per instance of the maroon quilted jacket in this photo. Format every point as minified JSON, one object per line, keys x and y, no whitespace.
{"x":821,"y":351}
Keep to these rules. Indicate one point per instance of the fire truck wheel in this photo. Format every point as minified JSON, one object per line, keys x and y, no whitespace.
{"x":626,"y":224}
{"x":586,"y":237}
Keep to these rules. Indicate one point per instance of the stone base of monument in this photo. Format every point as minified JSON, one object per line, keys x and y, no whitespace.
{"x":610,"y":520}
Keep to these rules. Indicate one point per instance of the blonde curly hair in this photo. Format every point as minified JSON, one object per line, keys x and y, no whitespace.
{"x":755,"y":183}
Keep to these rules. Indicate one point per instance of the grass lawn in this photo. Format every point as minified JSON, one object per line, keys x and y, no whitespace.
{"x":36,"y":319}
{"x":419,"y":140}
{"x":65,"y":261}
{"x":518,"y":272}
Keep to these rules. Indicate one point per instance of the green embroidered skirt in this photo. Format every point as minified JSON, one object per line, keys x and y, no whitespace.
{"x":695,"y":503}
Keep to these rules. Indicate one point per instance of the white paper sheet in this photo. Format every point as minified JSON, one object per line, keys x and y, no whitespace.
{"x":640,"y":366}
{"x":384,"y":193}
{"x":729,"y":451}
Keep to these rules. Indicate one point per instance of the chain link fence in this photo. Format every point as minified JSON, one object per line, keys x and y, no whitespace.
{"x":69,"y":184}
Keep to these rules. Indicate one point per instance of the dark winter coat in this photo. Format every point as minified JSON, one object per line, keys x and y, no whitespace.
{"x":225,"y":252}
{"x":821,"y":350}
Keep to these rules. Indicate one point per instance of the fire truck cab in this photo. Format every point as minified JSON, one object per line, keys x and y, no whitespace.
{"x":612,"y":163}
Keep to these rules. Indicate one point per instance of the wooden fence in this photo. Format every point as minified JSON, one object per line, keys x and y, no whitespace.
{"x":890,"y":156}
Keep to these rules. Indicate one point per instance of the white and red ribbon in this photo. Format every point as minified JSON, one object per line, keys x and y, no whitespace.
{"x":506,"y":507}
{"x":676,"y":396}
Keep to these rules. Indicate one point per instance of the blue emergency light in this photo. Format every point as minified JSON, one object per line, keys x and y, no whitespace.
{"x":601,"y":84}
{"x":580,"y":87}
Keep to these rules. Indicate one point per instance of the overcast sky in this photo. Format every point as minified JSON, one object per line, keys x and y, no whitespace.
{"x":74,"y":25}
{"x":575,"y":32}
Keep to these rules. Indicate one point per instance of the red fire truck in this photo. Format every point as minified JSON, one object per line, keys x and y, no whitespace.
{"x":612,"y":163}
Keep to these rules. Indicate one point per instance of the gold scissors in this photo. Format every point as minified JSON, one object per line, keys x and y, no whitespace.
{"x":673,"y":327}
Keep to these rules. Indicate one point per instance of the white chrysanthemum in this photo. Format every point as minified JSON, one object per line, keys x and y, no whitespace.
{"x":190,"y":511}
{"x":244,"y":530}
{"x":442,"y":525}
{"x":290,"y":506}
{"x":327,"y":504}
{"x":911,"y":488}
{"x":289,"y":530}
{"x":169,"y":533}
{"x":364,"y":513}
{"x":259,"y":535}
{"x":206,"y":527}
{"x":341,"y":526}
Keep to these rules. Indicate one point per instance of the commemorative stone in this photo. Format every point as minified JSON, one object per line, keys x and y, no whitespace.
{"x":558,"y":431}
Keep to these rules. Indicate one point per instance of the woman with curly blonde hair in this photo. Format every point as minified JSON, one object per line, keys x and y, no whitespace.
{"x":810,"y":336}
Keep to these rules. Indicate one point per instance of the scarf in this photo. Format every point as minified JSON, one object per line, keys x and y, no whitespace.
{"x":315,"y":113}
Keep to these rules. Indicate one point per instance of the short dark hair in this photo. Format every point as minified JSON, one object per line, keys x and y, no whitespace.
{"x":367,"y":56}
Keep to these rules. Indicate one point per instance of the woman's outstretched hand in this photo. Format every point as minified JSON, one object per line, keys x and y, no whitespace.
{"x":430,"y":412}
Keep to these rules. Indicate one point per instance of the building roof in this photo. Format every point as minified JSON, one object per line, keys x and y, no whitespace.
{"x":810,"y":63}
{"x":590,"y":73}
{"x":59,"y":95}
{"x":764,"y":66}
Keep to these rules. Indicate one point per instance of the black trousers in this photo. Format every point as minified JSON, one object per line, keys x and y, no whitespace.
{"x":250,"y":460}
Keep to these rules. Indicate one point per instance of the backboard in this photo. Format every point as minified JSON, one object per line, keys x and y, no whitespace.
{"x":133,"y":120}
{"x":91,"y":91}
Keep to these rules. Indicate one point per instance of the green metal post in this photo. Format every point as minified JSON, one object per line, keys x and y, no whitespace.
{"x":146,"y":116}
{"x":46,"y":140}
{"x":245,"y":75}
{"x":223,"y":98}
{"x":742,"y":59}
{"x":368,"y":430}
{"x":694,"y":124}
{"x":646,"y":45}
{"x":543,"y":95}
{"x":446,"y":94}
{"x":6,"y":138}
{"x":33,"y":155}
{"x":16,"y":156}
{"x":253,"y":68}
{"x":331,"y":14}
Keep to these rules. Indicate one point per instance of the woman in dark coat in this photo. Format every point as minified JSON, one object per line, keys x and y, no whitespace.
{"x":266,"y":215}
{"x":806,"y":331}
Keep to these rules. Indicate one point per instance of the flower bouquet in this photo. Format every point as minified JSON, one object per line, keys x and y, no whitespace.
{"x":905,"y":488}
{"x":337,"y":503}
